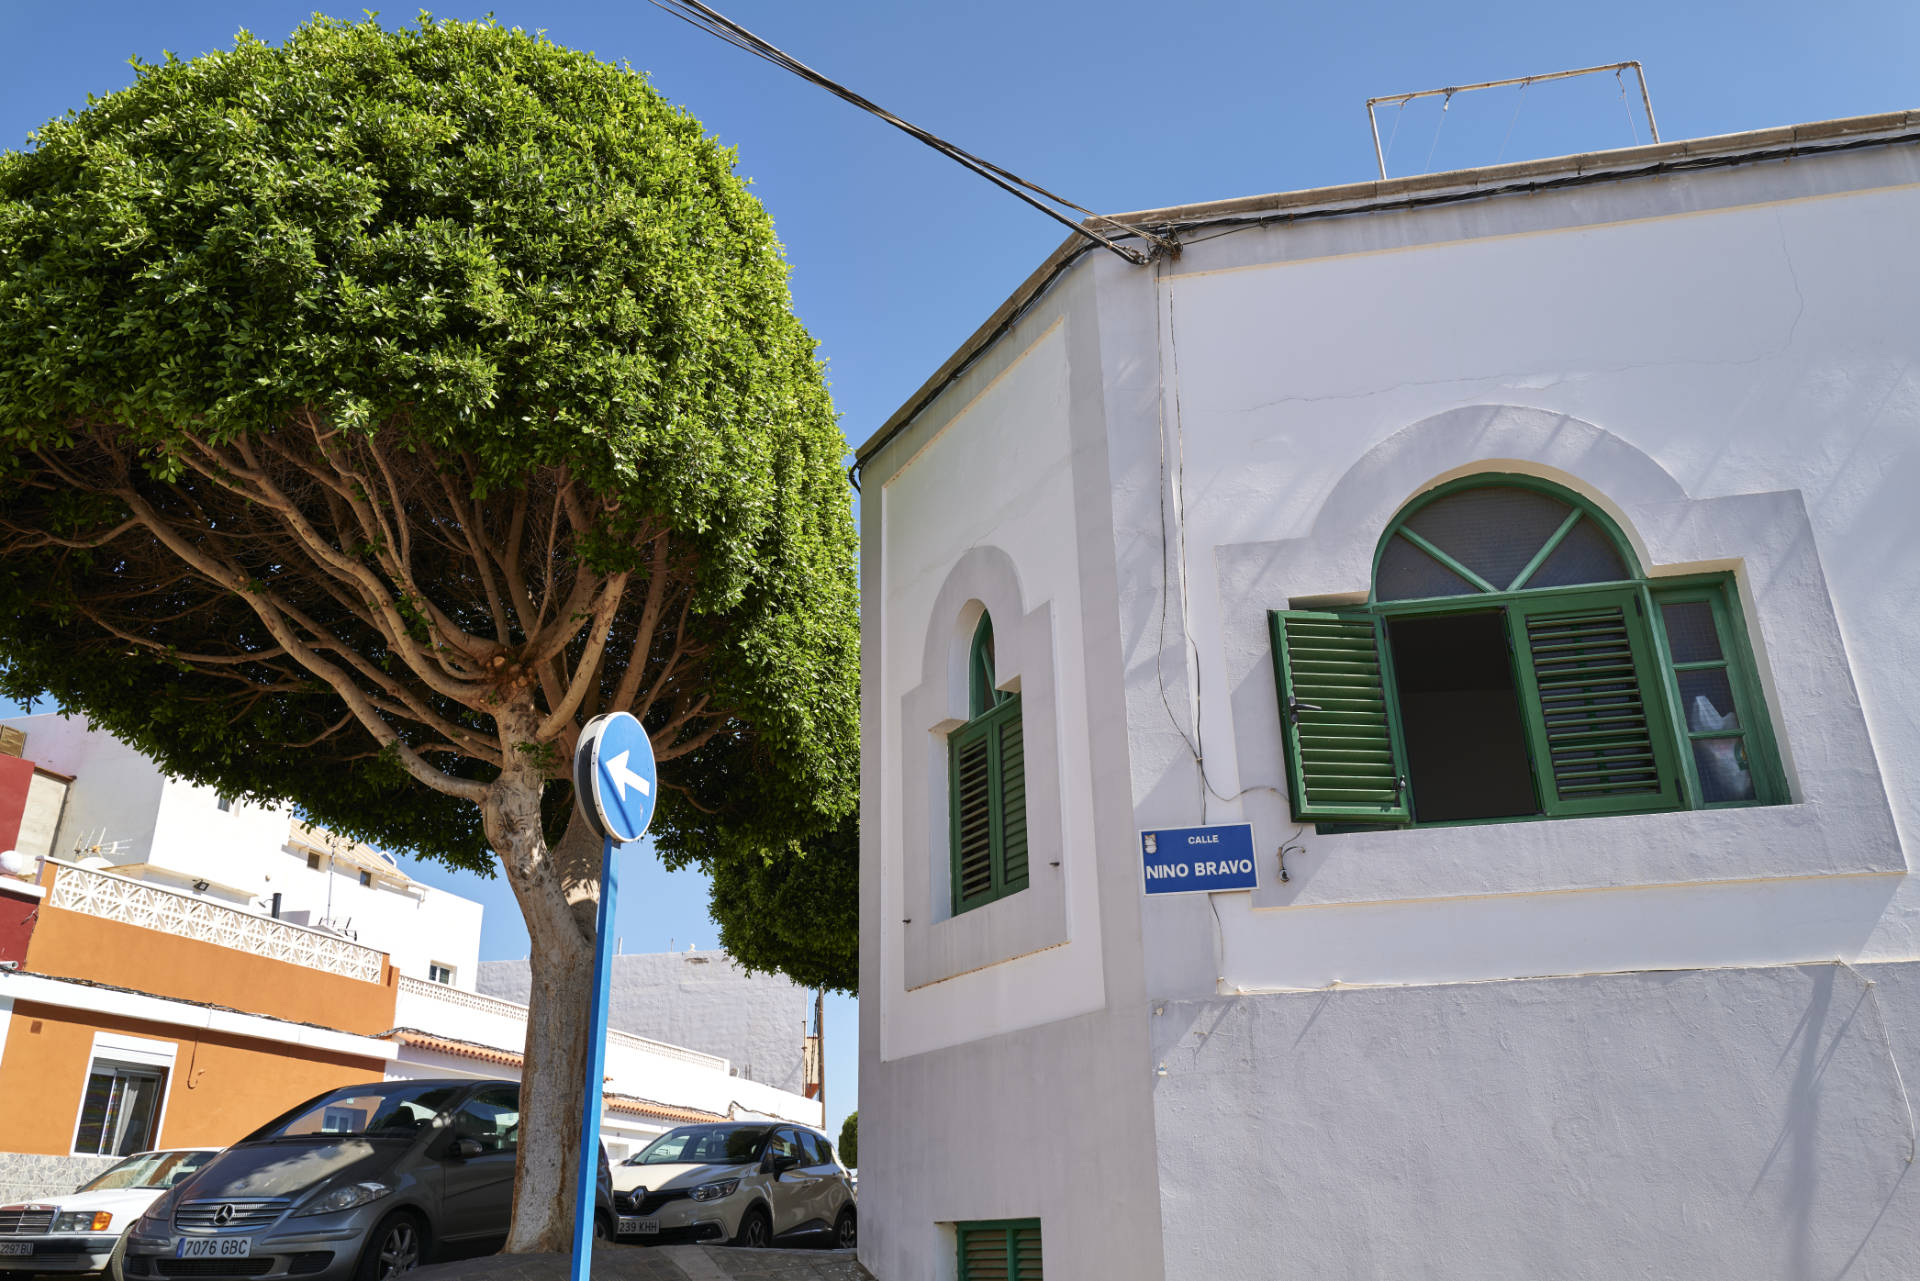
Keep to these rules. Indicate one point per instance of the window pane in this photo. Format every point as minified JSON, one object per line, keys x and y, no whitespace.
{"x":1585,"y":555}
{"x":93,"y":1113}
{"x":1407,"y":573}
{"x":1707,"y":697}
{"x":1493,"y":531}
{"x":491,"y":1117}
{"x":139,"y":1108}
{"x":394,"y":1108}
{"x":1690,"y":632}
{"x":1724,"y":771}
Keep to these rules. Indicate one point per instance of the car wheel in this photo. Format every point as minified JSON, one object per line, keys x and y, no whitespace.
{"x":602,"y":1230}
{"x":756,"y":1228}
{"x":116,"y":1262}
{"x":846,"y":1229}
{"x":397,"y":1245}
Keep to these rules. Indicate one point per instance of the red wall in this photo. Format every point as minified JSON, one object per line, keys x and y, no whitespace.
{"x":16,"y":776}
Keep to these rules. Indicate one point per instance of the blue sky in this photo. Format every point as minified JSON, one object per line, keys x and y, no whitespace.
{"x":898,"y":254}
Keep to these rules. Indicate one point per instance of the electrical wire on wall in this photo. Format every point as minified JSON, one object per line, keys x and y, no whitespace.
{"x":1176,"y":548}
{"x":1886,"y":1040}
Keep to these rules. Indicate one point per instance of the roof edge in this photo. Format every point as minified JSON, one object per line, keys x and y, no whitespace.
{"x":1883,"y":128}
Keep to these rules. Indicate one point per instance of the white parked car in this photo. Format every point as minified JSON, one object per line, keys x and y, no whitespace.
{"x":747,"y":1183}
{"x":85,"y":1231}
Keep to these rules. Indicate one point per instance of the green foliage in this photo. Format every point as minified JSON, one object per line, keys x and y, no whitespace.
{"x":850,"y":1140}
{"x":508,"y":266}
{"x":796,"y":909}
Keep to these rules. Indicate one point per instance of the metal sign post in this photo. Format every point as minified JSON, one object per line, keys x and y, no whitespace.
{"x":615,"y":782}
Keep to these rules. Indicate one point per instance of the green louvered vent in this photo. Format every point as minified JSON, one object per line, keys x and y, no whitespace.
{"x":1597,"y":734}
{"x":1000,"y":1251}
{"x":1013,"y":804}
{"x":1341,"y":758}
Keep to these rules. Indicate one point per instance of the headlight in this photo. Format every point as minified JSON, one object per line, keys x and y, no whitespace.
{"x":715,"y":1191}
{"x":344,"y":1197}
{"x":83,"y":1221}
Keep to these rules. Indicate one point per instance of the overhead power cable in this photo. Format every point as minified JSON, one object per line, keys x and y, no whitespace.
{"x":716,"y":24}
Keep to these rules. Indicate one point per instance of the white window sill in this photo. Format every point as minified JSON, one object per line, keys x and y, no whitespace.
{"x":1548,"y":856}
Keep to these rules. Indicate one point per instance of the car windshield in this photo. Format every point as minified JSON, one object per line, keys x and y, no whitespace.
{"x":703,"y":1145}
{"x":369,"y":1111}
{"x":149,"y":1170}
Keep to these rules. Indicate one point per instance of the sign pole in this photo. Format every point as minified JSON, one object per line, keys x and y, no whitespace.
{"x":615,"y":779}
{"x":587,"y":1202}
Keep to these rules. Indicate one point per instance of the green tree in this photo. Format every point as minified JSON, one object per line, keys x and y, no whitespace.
{"x":850,"y":1140}
{"x":377,"y":408}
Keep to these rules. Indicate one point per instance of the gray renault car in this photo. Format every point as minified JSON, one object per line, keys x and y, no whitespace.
{"x":363,"y":1182}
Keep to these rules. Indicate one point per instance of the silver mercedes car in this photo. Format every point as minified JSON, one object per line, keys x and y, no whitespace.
{"x":364,"y":1182}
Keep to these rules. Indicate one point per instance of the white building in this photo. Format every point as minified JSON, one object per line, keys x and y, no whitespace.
{"x":1600,"y":474}
{"x":650,"y":1085}
{"x":123,"y":814}
{"x":757,"y":1022}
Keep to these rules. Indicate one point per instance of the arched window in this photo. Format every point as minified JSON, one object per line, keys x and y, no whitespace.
{"x":1514,"y":662}
{"x":988,"y":795}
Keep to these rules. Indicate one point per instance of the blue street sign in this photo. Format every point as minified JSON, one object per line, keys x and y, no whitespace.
{"x":615,"y":784}
{"x":1193,"y":860}
{"x":615,"y":778}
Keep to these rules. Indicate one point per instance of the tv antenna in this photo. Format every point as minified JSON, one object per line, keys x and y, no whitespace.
{"x":1524,"y":82}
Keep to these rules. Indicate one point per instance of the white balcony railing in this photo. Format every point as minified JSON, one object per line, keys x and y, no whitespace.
{"x":460,"y":997}
{"x":120,"y":898}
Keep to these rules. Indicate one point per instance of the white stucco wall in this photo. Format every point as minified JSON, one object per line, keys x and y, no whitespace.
{"x":1715,"y":360}
{"x":658,"y":1072}
{"x":1001,"y":1066}
{"x":701,"y":1000}
{"x":1341,"y":1075}
{"x":998,"y":475}
{"x":415,"y":925}
{"x":116,"y":791}
{"x":1693,"y":368}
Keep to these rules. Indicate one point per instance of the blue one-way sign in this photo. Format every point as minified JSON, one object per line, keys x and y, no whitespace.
{"x":615,"y":778}
{"x":1192,"y":860}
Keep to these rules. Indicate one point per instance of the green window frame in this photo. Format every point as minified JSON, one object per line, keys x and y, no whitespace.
{"x":987,"y":791}
{"x":999,"y":1250}
{"x":1635,"y":695}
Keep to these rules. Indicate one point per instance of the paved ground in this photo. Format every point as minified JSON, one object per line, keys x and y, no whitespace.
{"x":660,"y":1263}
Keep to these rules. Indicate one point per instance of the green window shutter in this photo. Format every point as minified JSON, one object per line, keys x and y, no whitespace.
{"x":1343,"y":753}
{"x":1000,"y":1250}
{"x":969,"y":753}
{"x":1593,"y":702}
{"x":1012,"y":807}
{"x":988,"y":799}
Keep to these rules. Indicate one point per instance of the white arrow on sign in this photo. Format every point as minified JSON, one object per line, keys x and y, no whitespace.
{"x":622,"y":776}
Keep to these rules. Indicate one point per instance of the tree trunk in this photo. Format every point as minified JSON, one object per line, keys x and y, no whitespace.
{"x":558,"y":890}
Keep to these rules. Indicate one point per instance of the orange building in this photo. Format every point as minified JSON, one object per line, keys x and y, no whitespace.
{"x":139,"y":1017}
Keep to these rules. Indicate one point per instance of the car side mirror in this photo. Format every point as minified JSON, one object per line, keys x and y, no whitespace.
{"x":464,"y":1149}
